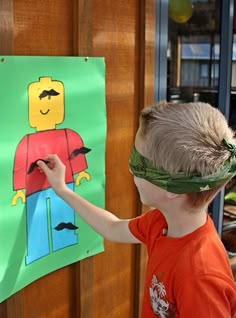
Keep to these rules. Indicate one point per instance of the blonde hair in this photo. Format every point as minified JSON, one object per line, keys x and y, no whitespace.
{"x":186,"y":138}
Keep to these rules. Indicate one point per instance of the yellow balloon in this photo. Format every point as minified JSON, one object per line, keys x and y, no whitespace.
{"x":180,"y":11}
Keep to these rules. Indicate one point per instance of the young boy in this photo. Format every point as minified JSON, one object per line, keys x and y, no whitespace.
{"x":183,"y":155}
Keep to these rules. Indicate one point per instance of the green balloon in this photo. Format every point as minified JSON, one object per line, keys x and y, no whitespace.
{"x":180,"y":11}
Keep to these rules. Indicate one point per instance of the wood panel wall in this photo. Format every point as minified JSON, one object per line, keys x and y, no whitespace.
{"x":108,"y":284}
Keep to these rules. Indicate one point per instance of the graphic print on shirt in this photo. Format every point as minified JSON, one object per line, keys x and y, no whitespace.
{"x":159,"y":302}
{"x":50,"y":222}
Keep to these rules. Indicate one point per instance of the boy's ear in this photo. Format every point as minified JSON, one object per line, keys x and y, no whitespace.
{"x":171,"y":195}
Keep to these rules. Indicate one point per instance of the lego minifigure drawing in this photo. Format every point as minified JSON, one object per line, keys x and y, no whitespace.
{"x":50,"y":222}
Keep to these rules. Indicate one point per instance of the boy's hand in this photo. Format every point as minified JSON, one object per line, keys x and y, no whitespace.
{"x":54,"y":171}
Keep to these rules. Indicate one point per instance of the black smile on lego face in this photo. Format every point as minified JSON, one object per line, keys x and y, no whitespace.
{"x":44,"y":113}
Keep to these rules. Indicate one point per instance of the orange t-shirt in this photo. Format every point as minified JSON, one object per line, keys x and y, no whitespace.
{"x":187,"y":277}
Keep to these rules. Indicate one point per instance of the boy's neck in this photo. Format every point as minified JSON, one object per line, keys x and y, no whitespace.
{"x":181,"y":223}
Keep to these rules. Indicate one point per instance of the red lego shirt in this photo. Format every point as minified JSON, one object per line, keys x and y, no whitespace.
{"x":35,"y":146}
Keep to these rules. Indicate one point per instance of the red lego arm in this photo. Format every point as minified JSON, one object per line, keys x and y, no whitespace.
{"x":20,"y":165}
{"x":74,"y":141}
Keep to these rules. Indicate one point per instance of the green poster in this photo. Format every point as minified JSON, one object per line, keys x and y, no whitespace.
{"x":48,"y":105}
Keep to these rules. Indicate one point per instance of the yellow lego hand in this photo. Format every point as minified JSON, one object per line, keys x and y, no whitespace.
{"x":82,"y":175}
{"x":19,"y":195}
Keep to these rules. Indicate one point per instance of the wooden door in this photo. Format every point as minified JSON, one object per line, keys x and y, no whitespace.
{"x":106,"y":285}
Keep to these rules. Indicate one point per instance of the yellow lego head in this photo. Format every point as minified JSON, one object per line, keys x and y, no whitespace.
{"x":46,"y":103}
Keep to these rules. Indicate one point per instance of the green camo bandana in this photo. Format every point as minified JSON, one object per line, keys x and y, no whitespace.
{"x":181,"y":183}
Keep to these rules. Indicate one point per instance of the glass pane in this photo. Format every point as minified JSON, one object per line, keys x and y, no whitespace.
{"x":229,"y":227}
{"x":232,"y":119}
{"x":193,"y":52}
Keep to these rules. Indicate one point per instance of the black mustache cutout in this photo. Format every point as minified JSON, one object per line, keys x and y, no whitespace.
{"x":76,"y":152}
{"x":34,"y":164}
{"x":50,"y":93}
{"x":68,"y":226}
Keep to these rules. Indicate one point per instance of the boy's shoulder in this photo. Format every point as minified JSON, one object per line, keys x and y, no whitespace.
{"x":148,"y":225}
{"x":204,"y":252}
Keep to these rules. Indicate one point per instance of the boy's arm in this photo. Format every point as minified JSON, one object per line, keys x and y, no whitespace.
{"x":102,"y":221}
{"x":105,"y":223}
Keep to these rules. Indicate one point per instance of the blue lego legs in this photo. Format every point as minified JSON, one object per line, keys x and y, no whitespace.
{"x":45,"y":210}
